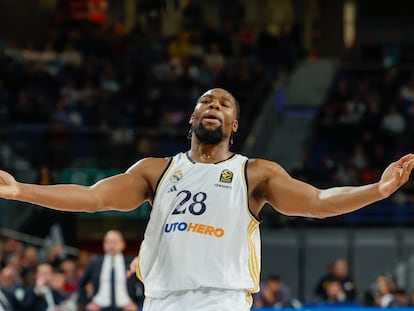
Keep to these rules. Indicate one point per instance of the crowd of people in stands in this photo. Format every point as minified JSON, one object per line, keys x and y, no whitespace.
{"x":37,"y":279}
{"x":129,"y":88}
{"x":335,"y":289}
{"x":40,"y":279}
{"x":364,"y":124}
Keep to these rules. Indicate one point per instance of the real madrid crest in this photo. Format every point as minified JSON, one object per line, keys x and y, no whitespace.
{"x":177,"y":176}
{"x":226,"y":176}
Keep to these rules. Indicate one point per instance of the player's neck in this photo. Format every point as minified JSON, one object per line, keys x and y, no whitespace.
{"x":204,"y":153}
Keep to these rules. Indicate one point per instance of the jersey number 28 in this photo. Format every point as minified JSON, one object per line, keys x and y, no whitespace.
{"x":196,"y":207}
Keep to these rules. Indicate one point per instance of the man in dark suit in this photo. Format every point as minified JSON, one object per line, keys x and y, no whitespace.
{"x":111,"y":290}
{"x":8,"y":289}
{"x":7,"y":301}
{"x":42,"y":297}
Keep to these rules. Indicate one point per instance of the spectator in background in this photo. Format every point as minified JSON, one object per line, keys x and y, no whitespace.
{"x":13,"y":251}
{"x":393,"y":126}
{"x":214,"y":60}
{"x":112,"y":290}
{"x":393,"y":122}
{"x":82,"y":261}
{"x":338,"y":273}
{"x":7,"y":301}
{"x":71,"y":56}
{"x":55,"y":255}
{"x":274,"y":293}
{"x":29,"y":263}
{"x":42,"y":296}
{"x":407,"y":90}
{"x":383,"y":292}
{"x":334,"y":293}
{"x":401,"y":297}
{"x":69,"y":268}
{"x":8,"y":289}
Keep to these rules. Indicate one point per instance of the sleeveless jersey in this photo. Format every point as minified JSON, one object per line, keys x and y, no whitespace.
{"x":201,"y":233}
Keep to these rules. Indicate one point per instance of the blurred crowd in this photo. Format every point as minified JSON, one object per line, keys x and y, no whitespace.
{"x":23,"y":267}
{"x":81,"y":88}
{"x":335,"y":289}
{"x":365,"y":123}
{"x":48,"y":279}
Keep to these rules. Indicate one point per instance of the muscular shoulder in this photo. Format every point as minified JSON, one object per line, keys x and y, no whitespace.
{"x":149,"y":168}
{"x":259,"y":172}
{"x":262,"y":169}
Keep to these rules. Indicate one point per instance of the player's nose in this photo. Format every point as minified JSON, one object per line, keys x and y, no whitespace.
{"x":214,"y":103}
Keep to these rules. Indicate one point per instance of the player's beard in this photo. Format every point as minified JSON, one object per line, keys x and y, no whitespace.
{"x":209,"y":137}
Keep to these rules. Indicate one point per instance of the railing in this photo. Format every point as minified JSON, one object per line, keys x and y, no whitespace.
{"x":35,"y":241}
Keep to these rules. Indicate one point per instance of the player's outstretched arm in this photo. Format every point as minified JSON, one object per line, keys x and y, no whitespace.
{"x":121,"y":192}
{"x":293,"y":197}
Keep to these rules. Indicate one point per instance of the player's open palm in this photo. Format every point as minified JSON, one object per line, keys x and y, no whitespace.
{"x":8,"y":185}
{"x":396,"y":175}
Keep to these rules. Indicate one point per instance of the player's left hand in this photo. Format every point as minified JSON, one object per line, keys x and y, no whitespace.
{"x":130,"y":307}
{"x":396,"y":175}
{"x":132,"y":267}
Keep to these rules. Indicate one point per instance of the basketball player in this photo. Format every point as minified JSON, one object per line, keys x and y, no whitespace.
{"x":201,"y":249}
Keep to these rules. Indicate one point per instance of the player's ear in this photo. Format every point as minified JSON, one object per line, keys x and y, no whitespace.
{"x":235,"y":126}
{"x":191,"y":119}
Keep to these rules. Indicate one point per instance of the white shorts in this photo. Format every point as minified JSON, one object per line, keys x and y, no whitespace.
{"x":201,"y":300}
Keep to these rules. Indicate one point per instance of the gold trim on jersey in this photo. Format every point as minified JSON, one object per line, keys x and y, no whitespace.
{"x":164,"y":175}
{"x":249,"y":298}
{"x":138,"y":272}
{"x":253,"y":260}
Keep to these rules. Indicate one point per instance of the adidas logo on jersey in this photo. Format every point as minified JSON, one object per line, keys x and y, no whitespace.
{"x":172,"y":189}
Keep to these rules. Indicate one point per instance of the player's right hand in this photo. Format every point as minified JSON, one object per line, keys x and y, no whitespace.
{"x":8,"y":186}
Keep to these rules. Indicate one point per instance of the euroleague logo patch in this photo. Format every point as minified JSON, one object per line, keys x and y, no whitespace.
{"x":226,"y":176}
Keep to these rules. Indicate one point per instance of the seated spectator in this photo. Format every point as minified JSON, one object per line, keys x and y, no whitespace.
{"x":383,"y":293}
{"x":338,"y":273}
{"x":214,"y":59}
{"x":407,"y":90}
{"x":69,"y":303}
{"x":401,"y":297}
{"x":334,"y":292}
{"x":42,"y":296}
{"x":393,"y":122}
{"x":70,"y":56}
{"x":69,"y":269}
{"x":8,"y":300}
{"x":274,"y":293}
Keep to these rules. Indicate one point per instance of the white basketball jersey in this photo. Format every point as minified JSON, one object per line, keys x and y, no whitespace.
{"x":201,"y":233}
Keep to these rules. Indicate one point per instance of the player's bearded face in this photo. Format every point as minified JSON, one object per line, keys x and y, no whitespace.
{"x":206,"y":136}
